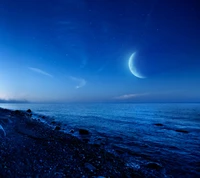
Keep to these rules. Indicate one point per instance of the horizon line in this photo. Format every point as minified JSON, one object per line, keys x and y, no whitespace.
{"x":91,"y":102}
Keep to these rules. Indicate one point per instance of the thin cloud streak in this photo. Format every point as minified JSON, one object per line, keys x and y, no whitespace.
{"x":81,"y":82}
{"x":40,"y":71}
{"x":137,"y":95}
{"x":130,"y":96}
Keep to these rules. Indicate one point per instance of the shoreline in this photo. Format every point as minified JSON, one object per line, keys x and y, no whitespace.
{"x":32,"y":148}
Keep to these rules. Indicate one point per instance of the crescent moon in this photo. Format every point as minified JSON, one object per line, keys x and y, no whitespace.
{"x":132,"y":67}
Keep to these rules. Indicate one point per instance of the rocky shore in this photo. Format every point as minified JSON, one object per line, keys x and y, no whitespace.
{"x":30,"y":148}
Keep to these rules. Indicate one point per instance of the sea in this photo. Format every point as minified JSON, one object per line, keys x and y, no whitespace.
{"x":160,"y":139}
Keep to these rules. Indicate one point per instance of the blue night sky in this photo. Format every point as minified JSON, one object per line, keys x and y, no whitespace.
{"x":78,"y":50}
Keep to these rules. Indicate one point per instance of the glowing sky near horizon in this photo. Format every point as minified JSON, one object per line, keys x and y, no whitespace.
{"x":66,"y":51}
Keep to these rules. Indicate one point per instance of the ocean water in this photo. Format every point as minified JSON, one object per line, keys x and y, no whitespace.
{"x":130,"y":129}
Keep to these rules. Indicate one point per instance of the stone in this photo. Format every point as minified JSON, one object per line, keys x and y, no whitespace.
{"x":90,"y":167}
{"x":53,"y":122}
{"x":182,"y":131}
{"x":57,"y":128}
{"x":153,"y":165}
{"x":120,"y":151}
{"x":97,"y":145}
{"x":17,"y":112}
{"x":83,"y":132}
{"x":72,"y":131}
{"x":28,"y":111}
{"x":86,"y":140}
{"x":59,"y":175}
{"x":158,"y":124}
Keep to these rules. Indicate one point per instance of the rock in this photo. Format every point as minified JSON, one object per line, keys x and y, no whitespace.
{"x":83,"y":132}
{"x":5,"y":120}
{"x":158,"y":124}
{"x":90,"y":167}
{"x":97,"y":145}
{"x":59,"y":175}
{"x":2,"y":132}
{"x":24,"y":130}
{"x":153,"y":165}
{"x":182,"y":131}
{"x":29,"y":111}
{"x":53,"y":122}
{"x":57,"y":128}
{"x":86,"y":140}
{"x":31,"y":123}
{"x":120,"y":151}
{"x":72,"y":131}
{"x":17,"y":112}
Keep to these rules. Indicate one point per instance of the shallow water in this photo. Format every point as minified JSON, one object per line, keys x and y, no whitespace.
{"x":131,"y":127}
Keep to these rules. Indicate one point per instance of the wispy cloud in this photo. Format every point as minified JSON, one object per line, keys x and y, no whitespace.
{"x":100,"y":69}
{"x":84,"y":63}
{"x":130,"y":96}
{"x":40,"y":71}
{"x":81,"y":82}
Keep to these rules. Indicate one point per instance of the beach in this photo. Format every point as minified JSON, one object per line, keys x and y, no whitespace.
{"x":32,"y":148}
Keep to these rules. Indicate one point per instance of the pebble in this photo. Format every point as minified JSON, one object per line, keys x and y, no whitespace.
{"x":89,"y":167}
{"x":43,"y":151}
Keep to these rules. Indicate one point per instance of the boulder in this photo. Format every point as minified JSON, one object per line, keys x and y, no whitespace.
{"x":158,"y":124}
{"x":181,"y":130}
{"x":83,"y":132}
{"x":152,"y":165}
{"x":86,"y":140}
{"x":72,"y":131}
{"x":97,"y":145}
{"x":28,"y":111}
{"x":17,"y":112}
{"x":53,"y":122}
{"x":120,"y":151}
{"x":57,"y":128}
